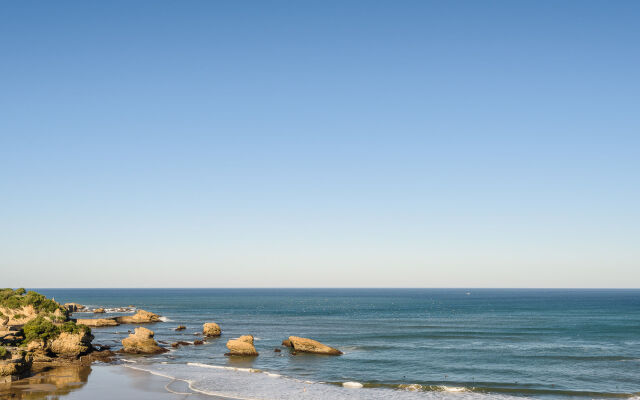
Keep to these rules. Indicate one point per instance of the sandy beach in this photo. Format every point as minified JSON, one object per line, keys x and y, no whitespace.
{"x":98,"y":382}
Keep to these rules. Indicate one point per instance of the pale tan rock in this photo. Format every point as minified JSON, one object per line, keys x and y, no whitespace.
{"x":141,"y":342}
{"x":242,"y":346}
{"x":99,"y":311}
{"x":246,"y":338}
{"x":211,"y":329}
{"x":97,"y":322}
{"x":305,"y":345}
{"x":18,"y":316}
{"x":140,"y":317}
{"x":69,"y":344}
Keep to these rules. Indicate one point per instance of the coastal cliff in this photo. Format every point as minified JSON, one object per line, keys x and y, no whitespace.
{"x":36,"y":332}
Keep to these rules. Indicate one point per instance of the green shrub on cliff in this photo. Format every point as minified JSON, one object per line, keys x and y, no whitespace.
{"x":39,"y":328}
{"x":42,"y":328}
{"x":19,"y":298}
{"x":3,"y":351}
{"x":72,"y":327}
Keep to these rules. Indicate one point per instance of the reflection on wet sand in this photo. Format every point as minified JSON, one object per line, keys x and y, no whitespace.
{"x":48,"y":384}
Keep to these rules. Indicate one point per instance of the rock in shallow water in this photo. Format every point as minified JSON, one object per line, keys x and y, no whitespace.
{"x":304,"y":345}
{"x":140,"y":317}
{"x":211,"y":329}
{"x":141,"y":342}
{"x":242,"y":346}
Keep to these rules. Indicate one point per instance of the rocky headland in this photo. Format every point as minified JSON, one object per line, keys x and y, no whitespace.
{"x":36,"y":332}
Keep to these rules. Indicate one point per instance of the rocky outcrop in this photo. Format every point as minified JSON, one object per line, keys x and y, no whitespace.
{"x":286,"y":343}
{"x":198,"y":342}
{"x":99,"y":311}
{"x":14,"y":365}
{"x":140,"y":317}
{"x":181,"y":328}
{"x":305,"y":345}
{"x":242,"y":346}
{"x":73,"y":307}
{"x":39,"y":350}
{"x":97,"y":322}
{"x":211,"y":329}
{"x":70,"y":344}
{"x":141,"y":342}
{"x":17,"y":316}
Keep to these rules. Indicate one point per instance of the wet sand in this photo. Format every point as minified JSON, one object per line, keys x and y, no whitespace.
{"x":98,"y":382}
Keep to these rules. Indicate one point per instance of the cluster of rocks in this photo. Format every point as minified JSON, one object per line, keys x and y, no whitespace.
{"x":18,"y":356}
{"x":33,"y":338}
{"x":142,"y":342}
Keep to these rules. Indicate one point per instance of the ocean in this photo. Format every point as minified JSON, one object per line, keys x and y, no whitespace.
{"x":398,"y":343}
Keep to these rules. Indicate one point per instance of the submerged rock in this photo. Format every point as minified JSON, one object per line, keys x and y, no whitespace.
{"x":198,"y":342}
{"x":97,"y":322}
{"x":141,"y":342}
{"x":140,"y":317}
{"x":305,"y":345}
{"x":181,"y":328}
{"x":242,"y":346}
{"x":211,"y":329}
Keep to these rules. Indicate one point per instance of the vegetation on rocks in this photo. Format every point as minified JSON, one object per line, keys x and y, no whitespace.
{"x":19,"y":298}
{"x":40,"y":328}
{"x":3,"y":352}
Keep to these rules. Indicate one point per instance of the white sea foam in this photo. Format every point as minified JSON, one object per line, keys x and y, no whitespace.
{"x":253,"y":384}
{"x":165,"y":319}
{"x":452,"y":389}
{"x":414,"y":387}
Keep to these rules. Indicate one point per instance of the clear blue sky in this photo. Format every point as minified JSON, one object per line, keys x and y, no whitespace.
{"x":325,"y":143}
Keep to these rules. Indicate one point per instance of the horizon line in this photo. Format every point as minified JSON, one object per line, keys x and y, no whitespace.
{"x":355,"y":288}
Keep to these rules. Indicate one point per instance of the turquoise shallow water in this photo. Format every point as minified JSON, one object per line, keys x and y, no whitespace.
{"x":443,"y":342}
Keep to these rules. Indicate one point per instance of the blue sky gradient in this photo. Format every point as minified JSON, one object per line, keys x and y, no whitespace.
{"x":320,"y":144}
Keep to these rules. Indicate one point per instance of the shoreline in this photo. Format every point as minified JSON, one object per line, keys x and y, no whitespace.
{"x":100,"y":382}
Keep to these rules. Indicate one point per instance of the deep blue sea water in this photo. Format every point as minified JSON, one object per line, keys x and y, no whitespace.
{"x":399,"y":343}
